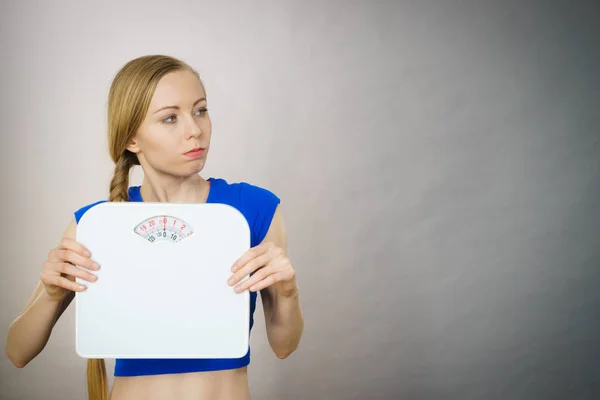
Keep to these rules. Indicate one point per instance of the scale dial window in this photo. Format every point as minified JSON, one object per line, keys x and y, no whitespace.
{"x":163,"y":228}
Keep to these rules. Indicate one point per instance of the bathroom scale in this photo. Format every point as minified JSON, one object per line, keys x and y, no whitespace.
{"x":162,"y":287}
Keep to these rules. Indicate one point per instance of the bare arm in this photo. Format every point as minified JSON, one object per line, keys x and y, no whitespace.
{"x":283,"y":314}
{"x":30,"y":331}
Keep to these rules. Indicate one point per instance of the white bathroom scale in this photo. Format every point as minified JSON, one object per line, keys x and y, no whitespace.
{"x":162,"y":287}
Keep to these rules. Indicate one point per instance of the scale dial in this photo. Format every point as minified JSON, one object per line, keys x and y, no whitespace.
{"x":163,"y":228}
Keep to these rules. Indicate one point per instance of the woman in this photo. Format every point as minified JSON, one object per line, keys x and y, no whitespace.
{"x":158,"y":119}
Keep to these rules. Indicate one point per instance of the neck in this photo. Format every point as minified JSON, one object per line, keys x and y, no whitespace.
{"x":190,"y":189}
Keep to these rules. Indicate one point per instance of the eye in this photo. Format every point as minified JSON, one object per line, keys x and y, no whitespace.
{"x":202,"y":111}
{"x":166,"y":120}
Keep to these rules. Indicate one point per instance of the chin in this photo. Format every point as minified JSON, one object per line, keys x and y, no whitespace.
{"x":196,"y":168}
{"x":187,"y":169}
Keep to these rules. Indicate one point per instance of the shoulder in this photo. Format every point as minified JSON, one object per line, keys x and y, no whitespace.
{"x":258,"y":197}
{"x":245,"y":191}
{"x":247,"y":195}
{"x":257,"y":203}
{"x":133,"y":193}
{"x":81,"y":211}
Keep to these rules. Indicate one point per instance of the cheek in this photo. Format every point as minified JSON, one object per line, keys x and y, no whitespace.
{"x":160,"y":141}
{"x":205,"y":126}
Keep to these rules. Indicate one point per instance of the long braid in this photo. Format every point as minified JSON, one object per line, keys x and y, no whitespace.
{"x":119,"y":185}
{"x":96,"y":379}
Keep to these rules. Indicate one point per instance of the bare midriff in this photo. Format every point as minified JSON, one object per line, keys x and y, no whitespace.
{"x":214,"y":385}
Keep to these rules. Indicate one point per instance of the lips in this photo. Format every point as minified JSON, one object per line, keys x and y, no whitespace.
{"x":197,"y":152}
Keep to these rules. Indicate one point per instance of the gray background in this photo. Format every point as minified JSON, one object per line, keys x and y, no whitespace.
{"x":438,"y":164}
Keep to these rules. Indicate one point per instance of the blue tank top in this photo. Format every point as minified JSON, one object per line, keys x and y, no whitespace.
{"x":258,"y":207}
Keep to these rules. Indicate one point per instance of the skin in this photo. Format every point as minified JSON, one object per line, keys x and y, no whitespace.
{"x":170,"y":176}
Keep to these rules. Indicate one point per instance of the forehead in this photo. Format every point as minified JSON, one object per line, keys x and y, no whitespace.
{"x":180,"y":88}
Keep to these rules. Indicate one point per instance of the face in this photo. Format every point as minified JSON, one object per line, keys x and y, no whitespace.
{"x":175,"y":135}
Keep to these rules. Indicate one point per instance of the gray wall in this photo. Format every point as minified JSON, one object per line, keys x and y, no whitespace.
{"x":438,"y":162}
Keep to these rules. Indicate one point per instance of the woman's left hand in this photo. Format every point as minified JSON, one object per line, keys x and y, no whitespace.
{"x":269,"y":265}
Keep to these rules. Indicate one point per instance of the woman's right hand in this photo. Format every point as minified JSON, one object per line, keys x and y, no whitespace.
{"x":68,"y":260}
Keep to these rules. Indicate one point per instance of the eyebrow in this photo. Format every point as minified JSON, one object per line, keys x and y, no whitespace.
{"x":177,"y":107}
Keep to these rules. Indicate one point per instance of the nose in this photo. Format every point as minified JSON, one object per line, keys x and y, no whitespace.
{"x":192,"y":129}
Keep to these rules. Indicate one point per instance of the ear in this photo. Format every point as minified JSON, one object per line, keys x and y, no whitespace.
{"x":133,"y":146}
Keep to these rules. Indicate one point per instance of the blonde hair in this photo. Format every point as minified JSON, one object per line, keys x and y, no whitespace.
{"x":129,"y":98}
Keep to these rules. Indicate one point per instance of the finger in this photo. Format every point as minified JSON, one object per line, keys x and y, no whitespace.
{"x":283,"y":273}
{"x":71,"y":270}
{"x":279,"y":265}
{"x":75,"y":259}
{"x":75,"y":246}
{"x":250,"y":266}
{"x":268,"y":281}
{"x":258,"y":276}
{"x":63,"y":282}
{"x":249,"y":255}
